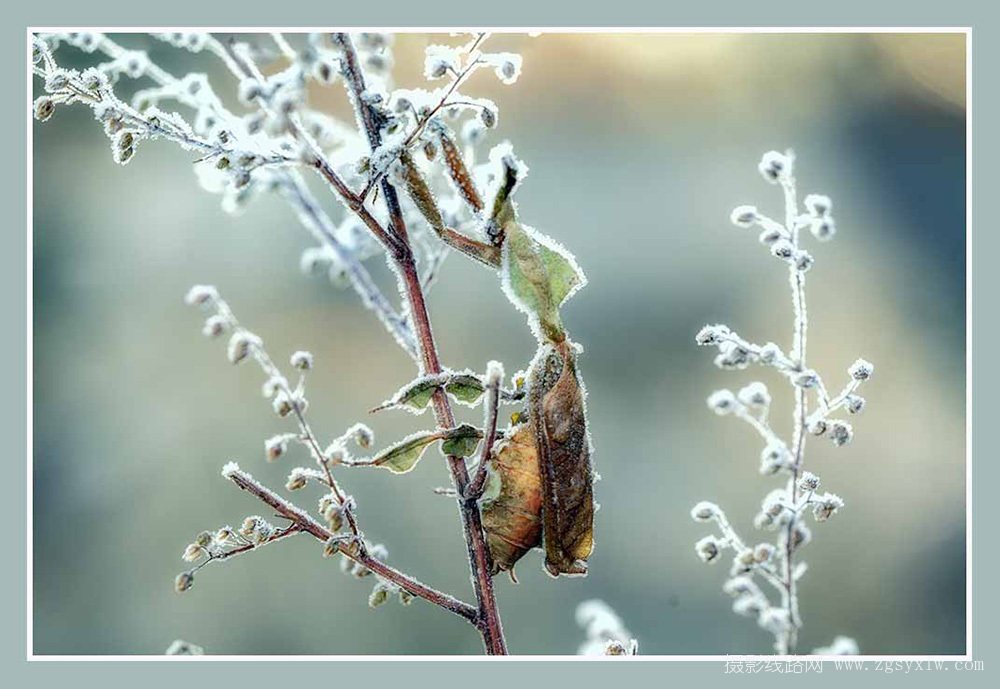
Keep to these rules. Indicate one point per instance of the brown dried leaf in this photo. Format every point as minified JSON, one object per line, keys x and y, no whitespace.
{"x":512,"y":519}
{"x":560,"y":428}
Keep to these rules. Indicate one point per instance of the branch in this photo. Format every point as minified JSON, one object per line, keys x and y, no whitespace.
{"x":349,"y":549}
{"x":488,"y":619}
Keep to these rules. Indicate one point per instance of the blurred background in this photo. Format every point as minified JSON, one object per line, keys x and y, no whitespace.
{"x":639,"y":146}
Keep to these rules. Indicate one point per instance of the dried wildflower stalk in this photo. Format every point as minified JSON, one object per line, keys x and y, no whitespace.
{"x":783,"y":510}
{"x":265,"y":150}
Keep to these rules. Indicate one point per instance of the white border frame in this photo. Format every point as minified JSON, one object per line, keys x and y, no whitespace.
{"x":931,"y":659}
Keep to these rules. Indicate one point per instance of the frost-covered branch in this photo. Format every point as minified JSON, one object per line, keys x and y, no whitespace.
{"x":783,"y":509}
{"x":422,"y":193}
{"x":335,"y":506}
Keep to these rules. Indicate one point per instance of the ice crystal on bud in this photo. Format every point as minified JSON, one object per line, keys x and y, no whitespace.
{"x":809,"y":482}
{"x":782,"y":249}
{"x":755,"y":395}
{"x":239,"y":346}
{"x":722,"y":402}
{"x":854,"y":404}
{"x":201,"y":295}
{"x":841,"y":433}
{"x":712,"y":335}
{"x":826,"y":505}
{"x":818,"y":205}
{"x":708,"y":548}
{"x":214,"y":326}
{"x":744,"y":216}
{"x":861,"y":370}
{"x":705,"y":511}
{"x":302,"y":360}
{"x":184,"y":581}
{"x":776,"y":167}
{"x":823,"y":229}
{"x":774,"y":458}
{"x":276,"y":446}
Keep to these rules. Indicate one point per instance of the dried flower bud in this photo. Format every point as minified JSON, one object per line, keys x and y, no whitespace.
{"x":732,"y":356}
{"x":770,"y":353}
{"x":94,"y":79}
{"x":818,"y":205}
{"x":705,"y":511}
{"x":214,"y":326}
{"x":57,"y":80}
{"x":801,"y":535}
{"x":302,"y":360}
{"x":802,"y":260}
{"x":43,"y":107}
{"x":363,"y":435}
{"x":775,"y":167}
{"x":282,"y":404}
{"x":184,"y":581}
{"x":488,"y":116}
{"x":826,"y":506}
{"x":739,"y":586}
{"x":707,"y":548}
{"x":380,"y":593}
{"x":276,"y":446}
{"x":783,"y":249}
{"x":239,"y":346}
{"x":861,"y":370}
{"x":331,"y":547}
{"x":614,"y":647}
{"x":749,"y":606}
{"x":755,"y":395}
{"x":818,"y":426}
{"x":806,"y":379}
{"x":193,"y":552}
{"x":841,"y":433}
{"x":272,"y":385}
{"x":770,"y":236}
{"x":744,"y":216}
{"x":201,"y":295}
{"x":855,"y":404}
{"x":773,"y":459}
{"x":762,"y":552}
{"x":297,"y":479}
{"x":712,"y":335}
{"x":809,"y":482}
{"x":722,"y":402}
{"x":823,"y":229}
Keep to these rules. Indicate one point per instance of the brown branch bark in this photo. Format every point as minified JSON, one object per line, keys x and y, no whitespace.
{"x":488,"y":616}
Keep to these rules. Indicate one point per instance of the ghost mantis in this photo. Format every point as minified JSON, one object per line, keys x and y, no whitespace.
{"x":534,"y":481}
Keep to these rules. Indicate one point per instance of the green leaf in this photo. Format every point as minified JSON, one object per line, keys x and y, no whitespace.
{"x":539,"y":276}
{"x":417,"y":395}
{"x":465,"y":387}
{"x":403,"y":456}
{"x":461,"y":441}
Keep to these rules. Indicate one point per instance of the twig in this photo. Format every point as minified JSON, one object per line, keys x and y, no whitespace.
{"x":308,"y":524}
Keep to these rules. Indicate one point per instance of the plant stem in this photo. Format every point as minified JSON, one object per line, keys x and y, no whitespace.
{"x":308,"y":524}
{"x":488,"y":616}
{"x":798,"y":355}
